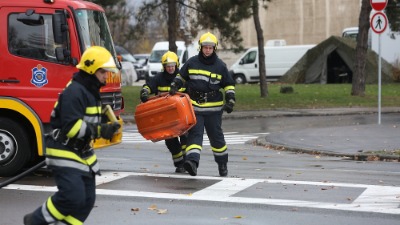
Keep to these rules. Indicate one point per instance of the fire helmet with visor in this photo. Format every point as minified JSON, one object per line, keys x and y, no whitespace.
{"x":97,"y":57}
{"x":170,"y":59}
{"x":208,"y":39}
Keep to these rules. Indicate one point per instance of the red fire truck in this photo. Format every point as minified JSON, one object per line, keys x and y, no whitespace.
{"x":41,"y":42}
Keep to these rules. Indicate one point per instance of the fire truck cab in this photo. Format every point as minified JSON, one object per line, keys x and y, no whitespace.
{"x":41,"y":42}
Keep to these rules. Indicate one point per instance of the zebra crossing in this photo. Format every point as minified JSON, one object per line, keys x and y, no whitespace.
{"x":133,"y":136}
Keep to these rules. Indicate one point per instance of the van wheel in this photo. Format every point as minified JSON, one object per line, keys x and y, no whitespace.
{"x":239,"y":78}
{"x":14,"y":147}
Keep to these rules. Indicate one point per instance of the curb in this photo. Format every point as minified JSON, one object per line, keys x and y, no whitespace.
{"x":260,"y":141}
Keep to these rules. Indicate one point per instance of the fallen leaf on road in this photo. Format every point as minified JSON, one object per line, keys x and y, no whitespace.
{"x":135,"y":209}
{"x":162,"y":211}
{"x":152,"y":207}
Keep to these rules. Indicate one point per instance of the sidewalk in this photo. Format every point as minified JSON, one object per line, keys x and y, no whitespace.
{"x":355,"y":142}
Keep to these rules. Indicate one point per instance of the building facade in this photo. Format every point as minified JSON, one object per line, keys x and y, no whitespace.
{"x":302,"y":21}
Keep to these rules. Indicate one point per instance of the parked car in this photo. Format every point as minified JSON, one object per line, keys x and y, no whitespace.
{"x":142,"y":59}
{"x":128,"y":74}
{"x":141,"y":56}
{"x":128,"y":57}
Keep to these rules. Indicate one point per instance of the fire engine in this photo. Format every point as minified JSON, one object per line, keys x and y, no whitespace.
{"x":41,"y":42}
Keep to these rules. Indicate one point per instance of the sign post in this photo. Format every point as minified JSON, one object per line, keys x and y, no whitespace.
{"x":378,"y":24}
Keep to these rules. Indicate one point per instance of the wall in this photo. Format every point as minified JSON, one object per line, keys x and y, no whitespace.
{"x":302,"y":21}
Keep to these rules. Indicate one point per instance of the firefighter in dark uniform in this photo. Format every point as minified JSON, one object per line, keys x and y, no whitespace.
{"x":204,"y":75}
{"x":161,"y":84}
{"x":76,"y":122}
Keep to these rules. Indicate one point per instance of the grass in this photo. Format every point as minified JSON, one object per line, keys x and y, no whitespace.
{"x":304,"y":96}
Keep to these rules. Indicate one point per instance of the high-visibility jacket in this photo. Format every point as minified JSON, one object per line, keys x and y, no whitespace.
{"x":76,"y":107}
{"x":161,"y":82}
{"x":206,"y":80}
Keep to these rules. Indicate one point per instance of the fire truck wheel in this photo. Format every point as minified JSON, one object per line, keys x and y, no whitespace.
{"x":14,"y":147}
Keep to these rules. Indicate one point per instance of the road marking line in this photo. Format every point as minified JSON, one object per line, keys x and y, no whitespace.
{"x":377,"y":199}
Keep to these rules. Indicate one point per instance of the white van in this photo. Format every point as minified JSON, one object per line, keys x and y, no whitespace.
{"x":278,"y":60}
{"x":160,"y":48}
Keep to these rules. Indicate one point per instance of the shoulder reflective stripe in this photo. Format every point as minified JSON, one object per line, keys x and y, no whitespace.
{"x":200,"y":72}
{"x":205,"y":73}
{"x":75,"y":129}
{"x":53,"y":210}
{"x":93,"y":110}
{"x":207,"y":104}
{"x":216,"y":76}
{"x":182,"y":89}
{"x":199,"y":77}
{"x":219,"y":149}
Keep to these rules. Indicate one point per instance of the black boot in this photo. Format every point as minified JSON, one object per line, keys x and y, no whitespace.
{"x":223,"y":169}
{"x":28,"y":219}
{"x":180,"y":169}
{"x":191,"y":167}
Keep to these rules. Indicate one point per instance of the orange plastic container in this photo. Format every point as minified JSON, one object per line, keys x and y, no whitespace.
{"x":165,"y":116}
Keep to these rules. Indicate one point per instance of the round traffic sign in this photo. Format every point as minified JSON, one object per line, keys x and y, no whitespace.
{"x":378,"y":5}
{"x":378,"y":22}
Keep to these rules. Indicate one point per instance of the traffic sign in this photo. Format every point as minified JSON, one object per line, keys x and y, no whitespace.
{"x":378,"y":22}
{"x":378,"y":5}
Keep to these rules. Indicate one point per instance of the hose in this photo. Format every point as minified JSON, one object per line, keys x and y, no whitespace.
{"x":23,"y":174}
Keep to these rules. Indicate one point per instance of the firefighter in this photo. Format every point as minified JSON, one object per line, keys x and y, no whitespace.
{"x":76,"y":122}
{"x":161,"y":84}
{"x":204,"y":75}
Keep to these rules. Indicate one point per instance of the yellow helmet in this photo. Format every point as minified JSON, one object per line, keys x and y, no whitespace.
{"x":208,"y":39}
{"x":170,"y":59}
{"x":97,"y":57}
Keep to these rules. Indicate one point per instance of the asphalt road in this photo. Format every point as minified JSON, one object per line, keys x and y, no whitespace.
{"x":264,"y":186}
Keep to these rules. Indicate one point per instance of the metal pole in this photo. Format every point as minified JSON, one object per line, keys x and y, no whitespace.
{"x":379,"y":82}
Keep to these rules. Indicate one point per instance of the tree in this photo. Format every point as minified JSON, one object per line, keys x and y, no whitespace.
{"x":358,"y":84}
{"x":260,"y":44}
{"x":225,"y":15}
{"x":119,"y":16}
{"x":393,"y":11}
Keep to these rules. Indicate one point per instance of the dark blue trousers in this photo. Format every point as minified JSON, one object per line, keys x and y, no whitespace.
{"x":211,"y":122}
{"x":73,"y":201}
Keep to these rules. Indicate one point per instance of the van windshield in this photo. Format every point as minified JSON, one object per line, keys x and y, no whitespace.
{"x":249,"y":57}
{"x":156,"y":55}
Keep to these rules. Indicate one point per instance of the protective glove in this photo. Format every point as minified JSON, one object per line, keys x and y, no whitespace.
{"x":144,"y":95}
{"x":173,"y":89}
{"x":108,"y":130}
{"x":228,"y":107}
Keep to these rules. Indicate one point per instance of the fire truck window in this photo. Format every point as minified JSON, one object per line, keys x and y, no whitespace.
{"x":34,"y":42}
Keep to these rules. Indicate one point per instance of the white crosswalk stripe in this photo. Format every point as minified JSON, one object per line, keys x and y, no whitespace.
{"x":133,"y":136}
